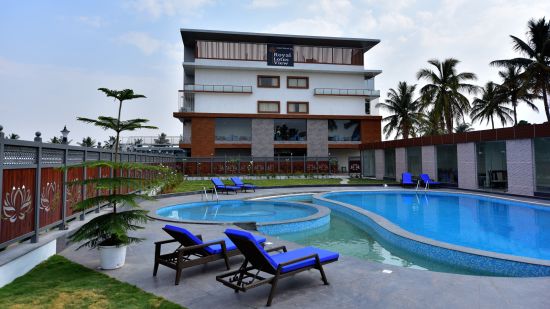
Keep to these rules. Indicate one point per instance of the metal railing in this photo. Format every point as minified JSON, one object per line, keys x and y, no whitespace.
{"x":217,"y":88}
{"x":347,"y":92}
{"x":33,"y":187}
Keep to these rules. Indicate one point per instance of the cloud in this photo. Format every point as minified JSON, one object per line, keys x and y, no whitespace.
{"x":160,"y":8}
{"x":143,"y":41}
{"x":92,"y":21}
{"x":265,"y":4}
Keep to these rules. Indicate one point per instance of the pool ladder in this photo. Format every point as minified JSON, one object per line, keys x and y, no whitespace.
{"x":204,"y":197}
{"x":425,"y":187}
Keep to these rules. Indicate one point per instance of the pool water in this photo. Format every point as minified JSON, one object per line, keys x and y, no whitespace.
{"x":477,"y":222}
{"x":237,"y":211}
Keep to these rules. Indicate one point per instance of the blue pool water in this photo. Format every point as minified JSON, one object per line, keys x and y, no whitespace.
{"x":489,"y":224}
{"x":237,"y":211}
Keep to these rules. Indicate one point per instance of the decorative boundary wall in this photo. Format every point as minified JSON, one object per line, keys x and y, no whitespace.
{"x":34,"y":196}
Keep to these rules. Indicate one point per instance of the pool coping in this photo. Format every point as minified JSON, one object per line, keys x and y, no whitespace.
{"x":322,"y":211}
{"x":395,"y":229}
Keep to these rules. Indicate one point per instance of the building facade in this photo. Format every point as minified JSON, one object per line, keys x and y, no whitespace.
{"x":266,"y":95}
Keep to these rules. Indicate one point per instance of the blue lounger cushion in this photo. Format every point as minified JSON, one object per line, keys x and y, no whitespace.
{"x":219,"y":184}
{"x":250,"y":236}
{"x":426,"y":179}
{"x":213,"y":249}
{"x":406,"y":179}
{"x":239,"y":183}
{"x":324,"y":256}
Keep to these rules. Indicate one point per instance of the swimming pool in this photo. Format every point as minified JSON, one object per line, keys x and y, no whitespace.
{"x":472,"y":221}
{"x":235,"y":211}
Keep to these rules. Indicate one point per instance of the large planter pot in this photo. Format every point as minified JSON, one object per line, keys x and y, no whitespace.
{"x":112,"y":257}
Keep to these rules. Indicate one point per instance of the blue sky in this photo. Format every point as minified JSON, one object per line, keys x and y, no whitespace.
{"x":55,"y":54}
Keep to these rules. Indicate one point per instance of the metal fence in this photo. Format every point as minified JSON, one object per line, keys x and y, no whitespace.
{"x":34,"y":195}
{"x":259,"y":165}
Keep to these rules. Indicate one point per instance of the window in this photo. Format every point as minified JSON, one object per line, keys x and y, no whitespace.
{"x":367,"y":106}
{"x":368,"y":163}
{"x":265,"y":81}
{"x":389,"y":163}
{"x":297,"y":107}
{"x":233,"y":129}
{"x":542,"y":164}
{"x":268,"y":107}
{"x":297,"y":82}
{"x":414,"y":160}
{"x":344,"y":130}
{"x":491,"y":165}
{"x":290,"y":129}
{"x":447,"y":164}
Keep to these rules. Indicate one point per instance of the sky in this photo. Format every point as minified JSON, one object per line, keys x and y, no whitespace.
{"x":55,"y":54}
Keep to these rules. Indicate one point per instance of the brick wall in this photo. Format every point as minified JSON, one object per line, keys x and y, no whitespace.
{"x":467,"y":169}
{"x":317,"y":138}
{"x":519,"y":162}
{"x":202,"y":143}
{"x":262,"y":138}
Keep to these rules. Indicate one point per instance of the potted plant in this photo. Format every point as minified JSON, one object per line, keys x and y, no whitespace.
{"x":109,"y":232}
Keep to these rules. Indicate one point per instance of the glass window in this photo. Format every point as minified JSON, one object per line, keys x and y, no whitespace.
{"x":389,"y":163}
{"x":233,"y":129}
{"x":297,"y":107}
{"x":542,"y":164}
{"x":491,"y":165}
{"x":268,"y":107}
{"x":290,"y":129}
{"x":344,"y":130}
{"x":297,"y":82}
{"x":368,"y":163}
{"x":268,"y":81}
{"x":447,"y":164}
{"x":367,"y":106}
{"x":414,"y":160}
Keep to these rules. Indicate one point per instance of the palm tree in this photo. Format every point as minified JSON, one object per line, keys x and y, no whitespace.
{"x":116,"y":124}
{"x":515,"y":89}
{"x":13,"y":136}
{"x":444,"y":91}
{"x":55,"y":140}
{"x":404,"y":109}
{"x":87,"y":142}
{"x":464,"y":127}
{"x":491,"y":105}
{"x":162,"y":139}
{"x":429,"y":126}
{"x":536,"y":63}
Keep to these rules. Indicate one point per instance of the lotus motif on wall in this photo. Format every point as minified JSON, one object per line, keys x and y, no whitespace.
{"x":17,"y":204}
{"x":49,"y":197}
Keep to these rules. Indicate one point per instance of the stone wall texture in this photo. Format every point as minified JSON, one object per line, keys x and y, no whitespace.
{"x":467,"y":169}
{"x":379,"y":163}
{"x":317,"y":138}
{"x":262,"y":138}
{"x":519,"y":162}
{"x":400,"y":162}
{"x":429,"y":161}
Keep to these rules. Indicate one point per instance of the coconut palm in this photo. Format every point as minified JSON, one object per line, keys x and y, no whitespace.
{"x":464,"y":127}
{"x":13,"y":136}
{"x":162,"y":139}
{"x":536,"y":63}
{"x":404,"y":109}
{"x":491,"y":105}
{"x":55,"y":140}
{"x":444,"y":93}
{"x":515,"y":90}
{"x":429,"y":125}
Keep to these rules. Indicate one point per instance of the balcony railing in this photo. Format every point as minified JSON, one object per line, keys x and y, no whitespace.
{"x":347,"y":92}
{"x":217,"y":88}
{"x":186,"y":101}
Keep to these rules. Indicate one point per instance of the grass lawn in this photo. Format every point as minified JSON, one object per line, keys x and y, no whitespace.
{"x":197,"y":185}
{"x":60,"y":283}
{"x":194,"y":185}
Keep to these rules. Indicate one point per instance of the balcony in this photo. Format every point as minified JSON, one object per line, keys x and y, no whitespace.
{"x":217,"y":89}
{"x":347,"y":92}
{"x":186,"y":101}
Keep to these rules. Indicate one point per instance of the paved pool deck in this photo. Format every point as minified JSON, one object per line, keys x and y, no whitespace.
{"x":354,"y":283}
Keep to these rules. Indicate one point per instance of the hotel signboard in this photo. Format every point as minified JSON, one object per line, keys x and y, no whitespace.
{"x":280,"y":55}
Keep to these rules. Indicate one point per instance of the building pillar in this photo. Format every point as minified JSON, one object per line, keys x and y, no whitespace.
{"x":467,"y":165}
{"x":429,"y":161}
{"x":400,"y":162}
{"x":379,"y":163}
{"x":520,"y":164}
{"x":262,"y":138}
{"x":317,"y":138}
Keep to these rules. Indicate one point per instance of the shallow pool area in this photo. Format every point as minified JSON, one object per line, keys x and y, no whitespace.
{"x":234,"y":211}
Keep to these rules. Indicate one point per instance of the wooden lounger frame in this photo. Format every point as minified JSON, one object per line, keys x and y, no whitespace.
{"x":247,"y":277}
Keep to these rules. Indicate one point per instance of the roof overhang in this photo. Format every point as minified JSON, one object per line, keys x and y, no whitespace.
{"x":190,"y":37}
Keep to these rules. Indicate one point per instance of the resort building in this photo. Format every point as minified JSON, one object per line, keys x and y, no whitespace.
{"x":267,"y":95}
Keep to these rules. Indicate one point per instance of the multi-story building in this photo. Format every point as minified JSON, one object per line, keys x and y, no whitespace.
{"x":264,"y":95}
